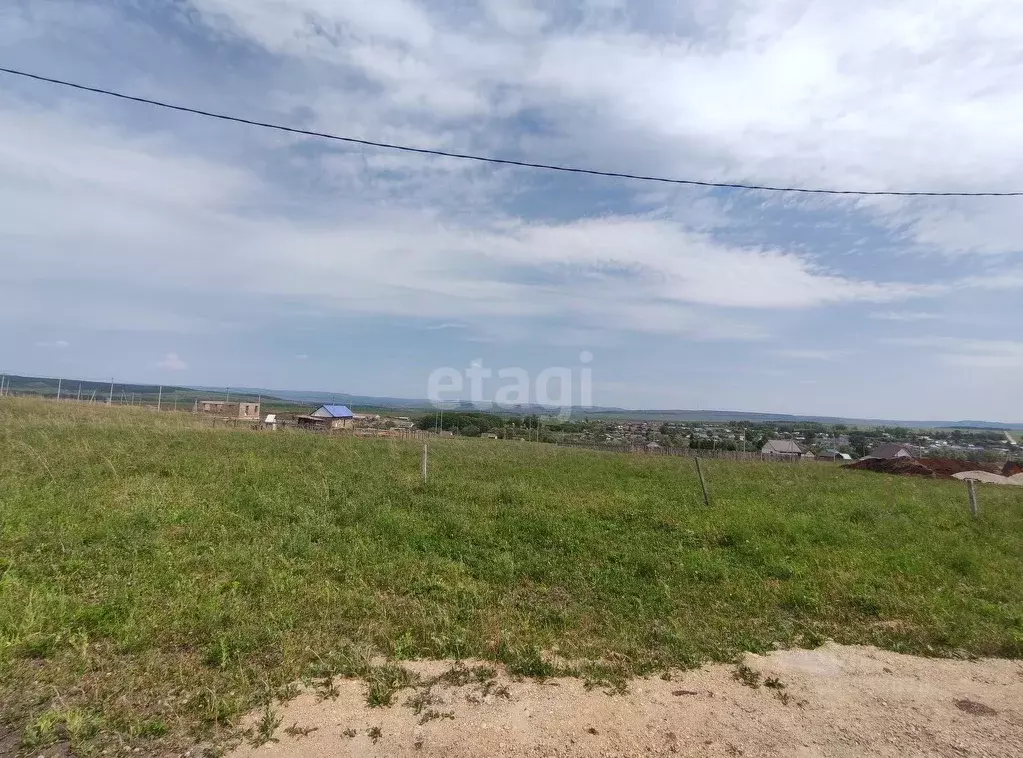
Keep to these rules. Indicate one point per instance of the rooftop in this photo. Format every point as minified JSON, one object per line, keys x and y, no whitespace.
{"x":337,"y":411}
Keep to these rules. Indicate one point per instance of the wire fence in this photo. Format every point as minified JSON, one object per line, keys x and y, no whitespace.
{"x":687,"y":452}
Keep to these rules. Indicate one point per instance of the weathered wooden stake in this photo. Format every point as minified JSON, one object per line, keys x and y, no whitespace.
{"x":426,"y":455}
{"x":972,"y":487}
{"x":703,"y":483}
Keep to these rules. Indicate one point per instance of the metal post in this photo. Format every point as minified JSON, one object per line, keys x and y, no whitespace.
{"x":110,"y":401}
{"x":79,"y":392}
{"x":59,"y":383}
{"x":703,"y":483}
{"x":228,"y":395}
{"x":159,"y":399}
{"x":426,"y":455}
{"x":972,"y":486}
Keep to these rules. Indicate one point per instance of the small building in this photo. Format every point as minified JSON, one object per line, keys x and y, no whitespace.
{"x":223,"y":409}
{"x":893,"y":450}
{"x":833,"y":455}
{"x":785,"y":449}
{"x":330,"y":417}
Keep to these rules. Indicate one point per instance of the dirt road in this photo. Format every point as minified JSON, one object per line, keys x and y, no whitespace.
{"x":834,"y":701}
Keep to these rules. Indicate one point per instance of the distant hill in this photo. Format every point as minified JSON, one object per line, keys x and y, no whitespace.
{"x":121,"y":393}
{"x":148,"y":393}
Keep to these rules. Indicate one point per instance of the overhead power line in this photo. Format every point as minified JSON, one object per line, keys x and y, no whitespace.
{"x":488,"y":159}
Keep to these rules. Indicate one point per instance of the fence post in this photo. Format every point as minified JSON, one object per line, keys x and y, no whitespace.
{"x":426,"y":455}
{"x":972,"y":487}
{"x":703,"y":482}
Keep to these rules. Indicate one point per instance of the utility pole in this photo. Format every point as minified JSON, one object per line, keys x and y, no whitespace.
{"x":59,"y":383}
{"x":110,"y":400}
{"x":159,"y":399}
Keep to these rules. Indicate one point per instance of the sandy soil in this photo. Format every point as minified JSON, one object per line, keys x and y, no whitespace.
{"x":841,"y":701}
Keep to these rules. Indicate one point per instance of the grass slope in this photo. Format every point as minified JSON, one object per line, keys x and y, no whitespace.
{"x":158,"y":579}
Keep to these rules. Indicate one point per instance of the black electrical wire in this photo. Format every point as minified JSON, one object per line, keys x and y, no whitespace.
{"x":486,"y":159}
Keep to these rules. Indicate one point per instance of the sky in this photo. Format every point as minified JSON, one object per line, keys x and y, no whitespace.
{"x":155,"y":246}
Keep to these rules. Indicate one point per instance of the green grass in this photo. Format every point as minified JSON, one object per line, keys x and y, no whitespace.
{"x":157,"y":579}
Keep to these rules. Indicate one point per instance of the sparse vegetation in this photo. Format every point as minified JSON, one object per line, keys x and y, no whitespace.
{"x":298,"y":732}
{"x":420,"y":700}
{"x":432,"y":715}
{"x":747,"y":676}
{"x":460,"y":675}
{"x":327,"y":689}
{"x":267,"y":726}
{"x":158,"y":579}
{"x":385,"y":681}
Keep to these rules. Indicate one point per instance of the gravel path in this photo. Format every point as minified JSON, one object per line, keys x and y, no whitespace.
{"x":835,"y":701}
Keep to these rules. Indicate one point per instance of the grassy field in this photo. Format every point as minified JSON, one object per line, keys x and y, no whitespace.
{"x":158,"y":579}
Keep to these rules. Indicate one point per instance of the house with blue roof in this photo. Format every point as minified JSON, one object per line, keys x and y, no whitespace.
{"x":329,"y":417}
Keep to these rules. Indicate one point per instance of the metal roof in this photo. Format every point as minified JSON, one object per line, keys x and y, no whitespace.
{"x":786,"y":447}
{"x":337,"y":411}
{"x":892,"y":450}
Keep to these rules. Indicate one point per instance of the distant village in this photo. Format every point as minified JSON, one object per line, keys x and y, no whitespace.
{"x":780,"y":440}
{"x":804,"y":440}
{"x":810,"y":440}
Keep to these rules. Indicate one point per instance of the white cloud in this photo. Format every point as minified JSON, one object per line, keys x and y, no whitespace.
{"x":967,"y":353}
{"x":57,"y":344}
{"x":905,"y":316}
{"x":301,"y":357}
{"x":620,"y":273}
{"x":873,"y":96}
{"x":965,"y":226}
{"x":830,"y":356}
{"x":172,"y":362}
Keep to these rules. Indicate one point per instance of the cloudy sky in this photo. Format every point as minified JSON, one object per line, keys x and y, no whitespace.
{"x":157,"y":246}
